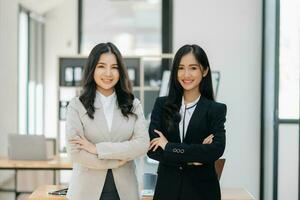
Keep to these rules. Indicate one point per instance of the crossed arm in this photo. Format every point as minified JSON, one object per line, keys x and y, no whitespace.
{"x":81,"y":150}
{"x":209,"y":151}
{"x":105,"y":155}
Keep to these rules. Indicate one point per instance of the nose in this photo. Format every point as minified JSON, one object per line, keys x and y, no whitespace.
{"x":187,"y":73}
{"x":108,"y":72}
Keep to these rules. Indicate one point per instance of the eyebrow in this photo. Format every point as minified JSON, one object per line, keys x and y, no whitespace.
{"x":190,"y":65}
{"x":102,"y":63}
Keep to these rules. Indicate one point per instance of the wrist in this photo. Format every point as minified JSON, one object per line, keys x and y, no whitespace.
{"x":95,"y":150}
{"x":164,"y":145}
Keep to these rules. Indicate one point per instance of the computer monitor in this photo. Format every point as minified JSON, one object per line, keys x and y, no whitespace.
{"x":27,"y":147}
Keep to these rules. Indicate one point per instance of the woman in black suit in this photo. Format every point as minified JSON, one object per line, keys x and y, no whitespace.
{"x":187,"y":131}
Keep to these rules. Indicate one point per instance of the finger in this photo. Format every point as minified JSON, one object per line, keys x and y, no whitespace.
{"x":75,"y":142}
{"x":158,"y":132}
{"x":83,"y":137}
{"x":208,"y":141}
{"x":79,"y":138}
{"x":153,"y":144}
{"x":74,"y":139}
{"x":155,"y":147}
{"x":210,"y":136}
{"x":155,"y":139}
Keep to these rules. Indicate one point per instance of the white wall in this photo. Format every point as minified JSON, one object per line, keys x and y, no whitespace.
{"x":8,"y":79}
{"x":8,"y":70}
{"x":60,"y":40}
{"x":230,"y":32}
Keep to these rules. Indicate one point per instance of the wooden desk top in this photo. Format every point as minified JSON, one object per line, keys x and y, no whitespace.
{"x":57,"y":162}
{"x":41,"y":193}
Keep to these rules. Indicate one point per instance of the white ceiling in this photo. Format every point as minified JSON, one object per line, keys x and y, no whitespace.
{"x":40,"y":6}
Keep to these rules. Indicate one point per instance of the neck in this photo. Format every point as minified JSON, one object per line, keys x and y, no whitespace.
{"x":105,"y":92}
{"x":190,"y":96}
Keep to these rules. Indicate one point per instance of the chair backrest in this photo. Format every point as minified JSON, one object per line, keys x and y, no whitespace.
{"x":219,"y":165}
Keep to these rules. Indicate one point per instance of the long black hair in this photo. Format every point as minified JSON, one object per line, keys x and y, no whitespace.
{"x":123,"y":87}
{"x":174,"y":97}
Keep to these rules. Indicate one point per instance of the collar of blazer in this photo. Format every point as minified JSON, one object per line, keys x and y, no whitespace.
{"x":99,"y":118}
{"x":197,"y":116}
{"x":99,"y":115}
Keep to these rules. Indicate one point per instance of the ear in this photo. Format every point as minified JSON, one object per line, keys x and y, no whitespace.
{"x":205,"y":72}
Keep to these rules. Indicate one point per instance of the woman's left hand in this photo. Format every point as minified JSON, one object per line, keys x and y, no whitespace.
{"x":84,"y":144}
{"x":160,"y":141}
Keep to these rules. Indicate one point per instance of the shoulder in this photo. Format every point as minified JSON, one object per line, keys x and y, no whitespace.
{"x":159,"y":104}
{"x":76,"y":104}
{"x":137,"y":106}
{"x":161,"y":100}
{"x":136,"y":102}
{"x":217,"y":107}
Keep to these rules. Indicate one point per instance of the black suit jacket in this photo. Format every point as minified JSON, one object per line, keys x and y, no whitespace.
{"x":177,"y":180}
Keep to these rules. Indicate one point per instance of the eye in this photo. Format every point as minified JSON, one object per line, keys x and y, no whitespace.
{"x":115,"y":67}
{"x":99,"y":66}
{"x":180,"y":68}
{"x":194,"y":68}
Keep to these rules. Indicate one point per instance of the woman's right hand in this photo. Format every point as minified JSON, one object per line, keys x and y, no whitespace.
{"x":207,"y":140}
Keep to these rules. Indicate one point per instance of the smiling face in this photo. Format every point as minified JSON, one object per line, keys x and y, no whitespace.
{"x":190,"y":73}
{"x":106,"y":74}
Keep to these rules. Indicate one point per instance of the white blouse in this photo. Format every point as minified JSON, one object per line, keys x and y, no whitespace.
{"x":108,"y":104}
{"x":186,"y":112}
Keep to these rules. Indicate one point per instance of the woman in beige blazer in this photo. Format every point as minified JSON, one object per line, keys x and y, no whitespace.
{"x":106,"y":131}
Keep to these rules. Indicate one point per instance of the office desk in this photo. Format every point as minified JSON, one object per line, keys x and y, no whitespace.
{"x":55,"y":164}
{"x":41,"y":193}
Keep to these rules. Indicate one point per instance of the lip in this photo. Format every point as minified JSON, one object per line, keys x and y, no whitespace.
{"x":187,"y":81}
{"x":107,"y":80}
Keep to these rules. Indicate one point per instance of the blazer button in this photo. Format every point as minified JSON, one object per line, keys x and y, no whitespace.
{"x":180,"y":168}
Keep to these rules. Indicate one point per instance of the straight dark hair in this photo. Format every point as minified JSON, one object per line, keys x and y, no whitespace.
{"x":174,"y":97}
{"x":123,"y":87}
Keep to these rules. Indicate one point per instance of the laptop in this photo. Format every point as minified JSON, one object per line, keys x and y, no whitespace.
{"x":27,"y":147}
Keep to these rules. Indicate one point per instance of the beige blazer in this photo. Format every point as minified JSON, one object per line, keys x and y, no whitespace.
{"x":127,"y":140}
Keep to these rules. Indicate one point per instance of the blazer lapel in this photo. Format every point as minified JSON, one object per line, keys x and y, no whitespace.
{"x":197,"y":115}
{"x":117,"y":119}
{"x":100,"y":120}
{"x":177,"y":134}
